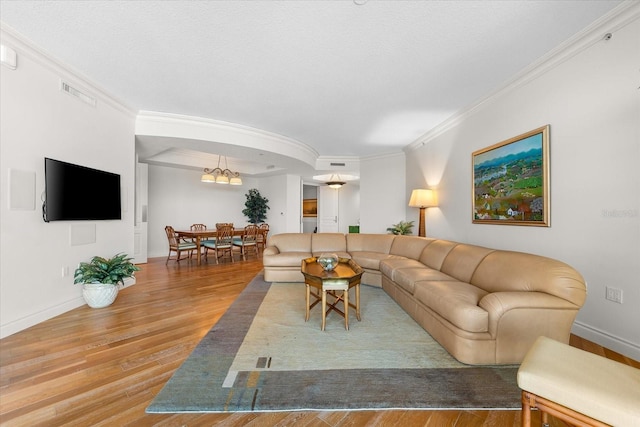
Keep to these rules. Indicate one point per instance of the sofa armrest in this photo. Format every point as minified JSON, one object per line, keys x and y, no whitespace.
{"x":270,"y":250}
{"x":499,"y":304}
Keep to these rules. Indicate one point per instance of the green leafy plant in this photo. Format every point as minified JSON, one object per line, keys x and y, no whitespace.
{"x":255,"y":206}
{"x":403,"y":227}
{"x":101,"y":270}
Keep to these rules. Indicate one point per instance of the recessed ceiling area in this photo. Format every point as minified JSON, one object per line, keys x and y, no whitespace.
{"x":318,"y":81}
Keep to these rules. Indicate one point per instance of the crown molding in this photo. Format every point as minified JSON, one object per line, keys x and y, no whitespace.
{"x":170,"y":125}
{"x":25,"y":47}
{"x":617,"y":18}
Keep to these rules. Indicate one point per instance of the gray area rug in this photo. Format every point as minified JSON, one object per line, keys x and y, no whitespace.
{"x":263,"y":356}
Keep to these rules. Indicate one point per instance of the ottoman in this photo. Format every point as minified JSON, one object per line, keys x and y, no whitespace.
{"x":578,"y":387}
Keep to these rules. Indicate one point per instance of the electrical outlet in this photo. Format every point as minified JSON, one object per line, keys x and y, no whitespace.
{"x":614,"y":294}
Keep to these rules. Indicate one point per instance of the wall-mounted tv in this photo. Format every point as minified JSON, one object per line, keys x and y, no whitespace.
{"x":74,"y":192}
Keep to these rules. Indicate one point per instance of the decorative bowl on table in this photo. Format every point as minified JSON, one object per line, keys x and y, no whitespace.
{"x":328,"y":261}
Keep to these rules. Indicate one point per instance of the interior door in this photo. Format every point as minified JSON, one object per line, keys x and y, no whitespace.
{"x":140,"y":232}
{"x":328,"y":214}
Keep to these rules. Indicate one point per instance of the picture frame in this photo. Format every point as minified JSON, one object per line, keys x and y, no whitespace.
{"x":510,"y":181}
{"x":310,"y":207}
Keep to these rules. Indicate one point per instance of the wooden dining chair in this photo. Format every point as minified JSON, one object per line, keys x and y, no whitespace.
{"x":200,"y":227}
{"x":263,"y":231}
{"x":222,"y":243}
{"x":178,"y":245}
{"x":249,"y":239}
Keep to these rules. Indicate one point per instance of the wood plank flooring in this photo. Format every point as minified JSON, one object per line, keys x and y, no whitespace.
{"x":102,"y":367}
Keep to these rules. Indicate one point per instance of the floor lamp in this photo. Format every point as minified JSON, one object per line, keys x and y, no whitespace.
{"x":422,"y":198}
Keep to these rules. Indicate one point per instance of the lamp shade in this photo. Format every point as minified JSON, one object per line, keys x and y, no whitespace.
{"x":423,"y":198}
{"x":207,"y":177}
{"x":222,"y":179}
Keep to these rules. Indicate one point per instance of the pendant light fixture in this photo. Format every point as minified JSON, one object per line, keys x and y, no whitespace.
{"x":221,"y":176}
{"x":335,"y":182}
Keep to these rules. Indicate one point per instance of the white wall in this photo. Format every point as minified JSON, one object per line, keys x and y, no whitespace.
{"x":178,"y":198}
{"x":382,"y":198}
{"x":37,"y":120}
{"x":592,"y":103}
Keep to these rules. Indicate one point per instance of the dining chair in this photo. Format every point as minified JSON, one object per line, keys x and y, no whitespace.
{"x":249,"y":239}
{"x":222,"y":243}
{"x":200,"y":227}
{"x":263,"y":231}
{"x":178,"y":245}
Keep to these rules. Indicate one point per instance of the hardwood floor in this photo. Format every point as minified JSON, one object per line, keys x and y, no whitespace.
{"x":102,"y":367}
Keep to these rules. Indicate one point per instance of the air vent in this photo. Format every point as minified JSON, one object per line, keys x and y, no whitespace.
{"x":337,"y":164}
{"x":70,"y":90}
{"x":271,"y":167}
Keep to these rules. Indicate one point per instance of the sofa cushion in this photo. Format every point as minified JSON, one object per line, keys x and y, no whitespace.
{"x":434,"y":254}
{"x":286,"y":259}
{"x":329,"y":242}
{"x":390,"y":265}
{"x":409,"y":246}
{"x":463,"y":260}
{"x":406,"y":278}
{"x":455,"y":301}
{"x":291,"y":242}
{"x":369,"y":260}
{"x":369,"y":242}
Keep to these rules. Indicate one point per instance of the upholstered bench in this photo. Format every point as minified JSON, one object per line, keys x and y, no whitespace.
{"x":578,"y":387}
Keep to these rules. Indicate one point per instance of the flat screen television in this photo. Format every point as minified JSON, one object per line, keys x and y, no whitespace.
{"x":74,"y":192}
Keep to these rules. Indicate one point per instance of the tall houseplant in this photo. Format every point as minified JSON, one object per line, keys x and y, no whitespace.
{"x":100,"y":278}
{"x":255,"y":206}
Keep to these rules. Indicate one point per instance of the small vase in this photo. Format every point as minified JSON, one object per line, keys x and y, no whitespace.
{"x":328,"y":261}
{"x":98,"y":295}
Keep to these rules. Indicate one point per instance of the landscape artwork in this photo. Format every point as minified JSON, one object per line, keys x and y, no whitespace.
{"x":511,"y":181}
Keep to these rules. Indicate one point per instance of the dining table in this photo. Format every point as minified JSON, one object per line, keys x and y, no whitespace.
{"x":198,"y":235}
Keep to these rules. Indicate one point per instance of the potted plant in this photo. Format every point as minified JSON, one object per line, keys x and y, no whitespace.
{"x":255,"y":207}
{"x":100,"y":278}
{"x":403,"y":227}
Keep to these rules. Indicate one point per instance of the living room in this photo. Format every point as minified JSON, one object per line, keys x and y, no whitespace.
{"x":587,"y":94}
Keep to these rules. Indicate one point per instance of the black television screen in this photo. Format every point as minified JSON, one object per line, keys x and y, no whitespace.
{"x":74,"y":192}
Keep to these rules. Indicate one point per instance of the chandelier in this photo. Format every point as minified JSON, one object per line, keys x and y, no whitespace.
{"x":335,"y":182}
{"x":221,"y":176}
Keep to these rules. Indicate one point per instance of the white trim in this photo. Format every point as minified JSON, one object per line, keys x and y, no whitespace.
{"x":70,"y":75}
{"x":617,"y":18}
{"x":38,"y":317}
{"x":151,"y":123}
{"x":612,"y":342}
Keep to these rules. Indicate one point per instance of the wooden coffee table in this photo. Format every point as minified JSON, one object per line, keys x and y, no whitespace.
{"x":345,"y":276}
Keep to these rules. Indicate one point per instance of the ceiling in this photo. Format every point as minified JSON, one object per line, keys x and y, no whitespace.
{"x":341,"y":79}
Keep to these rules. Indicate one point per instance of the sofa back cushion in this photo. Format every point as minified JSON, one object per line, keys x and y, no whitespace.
{"x":291,"y":242}
{"x":409,"y":246}
{"x":461,"y":262}
{"x":507,"y":271}
{"x":369,"y":242}
{"x":328,"y":242}
{"x":434,"y":254}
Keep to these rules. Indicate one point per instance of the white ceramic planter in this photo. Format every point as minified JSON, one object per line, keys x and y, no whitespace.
{"x":98,"y":295}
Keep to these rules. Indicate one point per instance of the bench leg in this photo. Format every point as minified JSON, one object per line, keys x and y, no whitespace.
{"x":526,"y":410}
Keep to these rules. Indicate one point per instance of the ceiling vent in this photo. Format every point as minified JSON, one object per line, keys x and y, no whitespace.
{"x":70,"y":90}
{"x":337,"y":164}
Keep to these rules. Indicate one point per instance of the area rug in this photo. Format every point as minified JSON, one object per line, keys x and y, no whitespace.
{"x":263,"y":356}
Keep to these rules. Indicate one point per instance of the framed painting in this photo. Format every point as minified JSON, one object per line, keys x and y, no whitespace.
{"x":511,"y":181}
{"x":309,"y":207}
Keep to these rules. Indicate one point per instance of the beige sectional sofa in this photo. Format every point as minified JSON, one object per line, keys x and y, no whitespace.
{"x":485,"y":306}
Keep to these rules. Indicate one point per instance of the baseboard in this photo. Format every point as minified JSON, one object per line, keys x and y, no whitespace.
{"x":46,"y":314}
{"x":607,"y":340}
{"x":35,"y":318}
